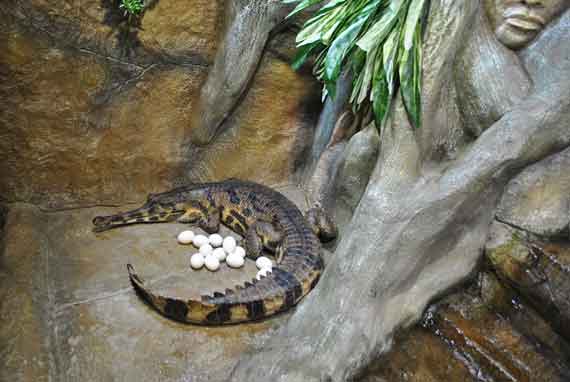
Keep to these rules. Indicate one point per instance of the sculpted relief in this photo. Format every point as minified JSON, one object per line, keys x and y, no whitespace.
{"x":502,"y":56}
{"x":517,"y":23}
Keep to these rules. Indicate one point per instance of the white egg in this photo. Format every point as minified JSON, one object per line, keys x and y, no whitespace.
{"x":199,"y":240}
{"x":206,"y":249}
{"x":229,"y":244}
{"x":197,"y":261}
{"x":235,"y":261}
{"x":219,"y":253}
{"x":185,"y":237}
{"x":216,"y":240}
{"x":212,"y":263}
{"x":263,"y":272}
{"x":239,"y":251}
{"x":263,"y":262}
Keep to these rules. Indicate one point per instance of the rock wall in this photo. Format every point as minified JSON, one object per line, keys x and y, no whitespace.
{"x":95,"y":109}
{"x":538,"y":199}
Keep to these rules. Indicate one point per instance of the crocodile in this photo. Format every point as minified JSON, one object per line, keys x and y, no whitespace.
{"x":266,"y":219}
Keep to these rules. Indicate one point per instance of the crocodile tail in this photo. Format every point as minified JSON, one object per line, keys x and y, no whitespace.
{"x":233,"y":307}
{"x":187,"y":311}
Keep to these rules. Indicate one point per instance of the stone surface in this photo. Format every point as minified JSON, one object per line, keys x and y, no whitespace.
{"x":169,"y":32}
{"x":539,"y":271}
{"x":183,"y":30}
{"x":538,"y":200}
{"x":93,"y":118}
{"x":3,"y":214}
{"x":273,"y":129}
{"x":358,"y":162}
{"x":73,"y":134}
{"x":248,"y":24}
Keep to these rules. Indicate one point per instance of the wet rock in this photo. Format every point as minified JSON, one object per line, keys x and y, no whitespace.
{"x":484,"y":333}
{"x":539,"y":271}
{"x":538,"y":200}
{"x":419,"y":356}
{"x":506,"y":302}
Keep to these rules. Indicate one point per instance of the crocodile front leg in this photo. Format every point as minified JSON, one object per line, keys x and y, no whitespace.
{"x":322,"y":224}
{"x":206,"y":218}
{"x":262,"y":235}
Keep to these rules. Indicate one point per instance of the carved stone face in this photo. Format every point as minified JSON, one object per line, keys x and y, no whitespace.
{"x":517,"y":22}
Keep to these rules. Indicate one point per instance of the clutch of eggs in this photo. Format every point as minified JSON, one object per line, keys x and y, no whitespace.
{"x":212,"y":250}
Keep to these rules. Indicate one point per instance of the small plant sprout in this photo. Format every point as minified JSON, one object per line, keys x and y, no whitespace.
{"x":132,"y":7}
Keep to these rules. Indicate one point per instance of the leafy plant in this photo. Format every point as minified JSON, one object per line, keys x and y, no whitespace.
{"x":380,"y":40}
{"x":132,"y":7}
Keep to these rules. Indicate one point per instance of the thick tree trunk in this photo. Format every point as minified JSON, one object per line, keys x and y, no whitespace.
{"x":422,"y":222}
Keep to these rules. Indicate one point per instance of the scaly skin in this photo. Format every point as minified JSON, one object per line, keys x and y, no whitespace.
{"x":238,"y":205}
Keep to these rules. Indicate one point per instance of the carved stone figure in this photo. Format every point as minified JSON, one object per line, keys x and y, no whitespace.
{"x":517,"y":23}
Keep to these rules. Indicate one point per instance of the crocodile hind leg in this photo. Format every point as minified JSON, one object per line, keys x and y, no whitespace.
{"x":322,"y":224}
{"x":206,"y":218}
{"x":262,"y":235}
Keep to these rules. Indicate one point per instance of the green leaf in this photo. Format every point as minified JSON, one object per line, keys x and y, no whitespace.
{"x":358,"y":60}
{"x":133,"y":7}
{"x":412,"y":19}
{"x":304,"y":4}
{"x":380,"y":40}
{"x":368,"y":74}
{"x":381,"y":97}
{"x":410,"y":80}
{"x":378,"y":32}
{"x":310,"y":34}
{"x":356,"y":86}
{"x":389,"y":55}
{"x":302,"y":54}
{"x":327,"y":36}
{"x":339,"y":49}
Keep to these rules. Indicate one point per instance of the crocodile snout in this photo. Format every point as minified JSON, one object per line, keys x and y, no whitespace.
{"x":101,"y":223}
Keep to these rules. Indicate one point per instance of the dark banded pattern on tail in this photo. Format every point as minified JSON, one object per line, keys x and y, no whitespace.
{"x":255,"y":301}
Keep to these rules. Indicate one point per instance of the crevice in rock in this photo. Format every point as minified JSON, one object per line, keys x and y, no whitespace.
{"x":532,"y":234}
{"x":3,"y":216}
{"x":44,"y":209}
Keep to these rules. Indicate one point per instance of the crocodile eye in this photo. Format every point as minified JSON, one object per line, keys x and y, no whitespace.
{"x":100,"y":220}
